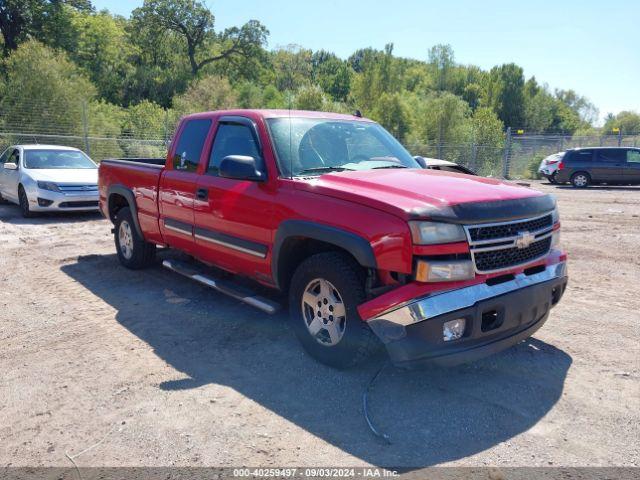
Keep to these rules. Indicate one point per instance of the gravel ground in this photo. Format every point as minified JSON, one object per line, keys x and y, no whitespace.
{"x":166,"y":372}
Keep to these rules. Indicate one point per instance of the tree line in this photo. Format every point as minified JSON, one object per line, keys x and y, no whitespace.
{"x":63,"y":61}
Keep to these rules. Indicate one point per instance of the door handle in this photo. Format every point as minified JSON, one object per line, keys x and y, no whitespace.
{"x":202,"y":194}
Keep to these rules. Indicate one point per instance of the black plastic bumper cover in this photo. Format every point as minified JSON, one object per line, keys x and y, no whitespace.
{"x":492,"y":325}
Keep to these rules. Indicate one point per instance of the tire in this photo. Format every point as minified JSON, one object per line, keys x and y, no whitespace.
{"x":580,"y":179}
{"x":336,"y":282}
{"x":133,"y":252}
{"x":552,"y":178}
{"x":23,"y":201}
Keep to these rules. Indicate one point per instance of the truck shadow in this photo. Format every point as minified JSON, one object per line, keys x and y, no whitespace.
{"x":432,"y":416}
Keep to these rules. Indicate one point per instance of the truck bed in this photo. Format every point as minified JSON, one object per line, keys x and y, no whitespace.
{"x":142,"y":177}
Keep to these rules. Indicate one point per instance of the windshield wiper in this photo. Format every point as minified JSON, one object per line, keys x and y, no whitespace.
{"x":324,"y":169}
{"x":389,"y":166}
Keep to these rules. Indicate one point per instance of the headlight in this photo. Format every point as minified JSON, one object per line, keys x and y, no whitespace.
{"x":555,"y":215}
{"x":444,"y":271}
{"x":429,"y":233}
{"x":48,"y":186}
{"x":555,"y":239}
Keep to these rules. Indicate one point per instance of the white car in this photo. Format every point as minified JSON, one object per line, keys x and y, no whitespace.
{"x":549,"y":166}
{"x":43,"y":178}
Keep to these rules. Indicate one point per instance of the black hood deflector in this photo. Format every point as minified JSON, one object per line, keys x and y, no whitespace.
{"x":488,"y":212}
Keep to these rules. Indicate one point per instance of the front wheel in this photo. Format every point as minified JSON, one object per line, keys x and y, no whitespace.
{"x":325,"y":292}
{"x":24,"y":203}
{"x":133,"y":251}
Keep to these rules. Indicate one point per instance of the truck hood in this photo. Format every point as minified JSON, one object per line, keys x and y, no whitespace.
{"x":432,"y":194}
{"x":83,"y":176}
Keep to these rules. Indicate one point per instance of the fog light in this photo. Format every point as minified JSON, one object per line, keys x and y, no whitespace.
{"x":444,"y":271}
{"x":453,"y":329}
{"x":43,"y":202}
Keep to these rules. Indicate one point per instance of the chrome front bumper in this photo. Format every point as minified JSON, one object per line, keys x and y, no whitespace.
{"x":413,"y":331}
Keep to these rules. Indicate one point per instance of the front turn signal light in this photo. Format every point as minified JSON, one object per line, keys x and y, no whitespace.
{"x":444,"y":271}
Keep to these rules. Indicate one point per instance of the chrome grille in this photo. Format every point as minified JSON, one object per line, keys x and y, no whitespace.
{"x":498,"y":246}
{"x":501,"y":230}
{"x":78,"y":189}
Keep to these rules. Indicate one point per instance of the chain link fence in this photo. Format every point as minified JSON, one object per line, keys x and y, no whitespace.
{"x":518,"y":157}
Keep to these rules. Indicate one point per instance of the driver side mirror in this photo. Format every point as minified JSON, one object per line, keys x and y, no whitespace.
{"x":11,"y":166}
{"x":241,"y":167}
{"x":421,"y":161}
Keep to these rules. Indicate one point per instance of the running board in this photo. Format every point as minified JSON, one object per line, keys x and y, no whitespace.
{"x":235,"y":291}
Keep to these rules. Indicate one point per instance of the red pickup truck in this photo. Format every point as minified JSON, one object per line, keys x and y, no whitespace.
{"x":333,"y":212}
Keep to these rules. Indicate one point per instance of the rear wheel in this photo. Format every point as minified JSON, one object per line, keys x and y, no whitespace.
{"x":133,"y":251}
{"x":325,"y":292}
{"x":580,"y":179}
{"x":552,"y":178}
{"x":24,"y":203}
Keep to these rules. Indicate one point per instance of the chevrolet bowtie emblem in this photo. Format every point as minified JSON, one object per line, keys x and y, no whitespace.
{"x":524,"y":239}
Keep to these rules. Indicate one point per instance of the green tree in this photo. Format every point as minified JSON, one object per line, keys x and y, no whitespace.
{"x":49,"y":101}
{"x":441,"y":60}
{"x":539,"y":111}
{"x":488,"y":129}
{"x":205,"y":94}
{"x":249,"y":95}
{"x":379,"y":75}
{"x":627,"y":121}
{"x":505,"y":94}
{"x":332,"y":74}
{"x":441,"y":118}
{"x":292,"y":67}
{"x":272,"y":98}
{"x":194,"y":22}
{"x":310,"y":98}
{"x":45,"y":20}
{"x":146,"y":120}
{"x":392,"y":113}
{"x":102,"y":48}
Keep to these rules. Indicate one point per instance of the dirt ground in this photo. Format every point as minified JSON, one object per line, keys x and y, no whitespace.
{"x":165,"y":372}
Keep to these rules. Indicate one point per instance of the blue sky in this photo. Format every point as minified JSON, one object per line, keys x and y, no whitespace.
{"x":590,"y":46}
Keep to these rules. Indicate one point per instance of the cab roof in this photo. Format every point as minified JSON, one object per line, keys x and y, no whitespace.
{"x":279,"y":113}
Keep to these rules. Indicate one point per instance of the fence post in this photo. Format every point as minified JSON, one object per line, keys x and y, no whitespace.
{"x":166,"y":128}
{"x":440,"y":135}
{"x":474,"y":156}
{"x":620,"y":137}
{"x":507,"y":154}
{"x":85,"y":128}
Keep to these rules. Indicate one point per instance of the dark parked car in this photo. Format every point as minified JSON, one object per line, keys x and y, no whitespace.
{"x":586,"y":166}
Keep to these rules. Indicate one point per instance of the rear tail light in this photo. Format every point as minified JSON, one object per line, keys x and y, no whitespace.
{"x":560,"y":166}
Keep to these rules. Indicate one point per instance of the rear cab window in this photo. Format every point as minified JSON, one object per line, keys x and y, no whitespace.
{"x":189,"y":148}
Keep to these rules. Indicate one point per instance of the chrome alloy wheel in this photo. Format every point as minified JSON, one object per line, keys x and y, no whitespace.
{"x":580,"y":180}
{"x":324,"y":312}
{"x":125,"y":240}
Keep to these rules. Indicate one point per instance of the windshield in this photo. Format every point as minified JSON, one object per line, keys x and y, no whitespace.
{"x":312,"y":146}
{"x":58,"y":159}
